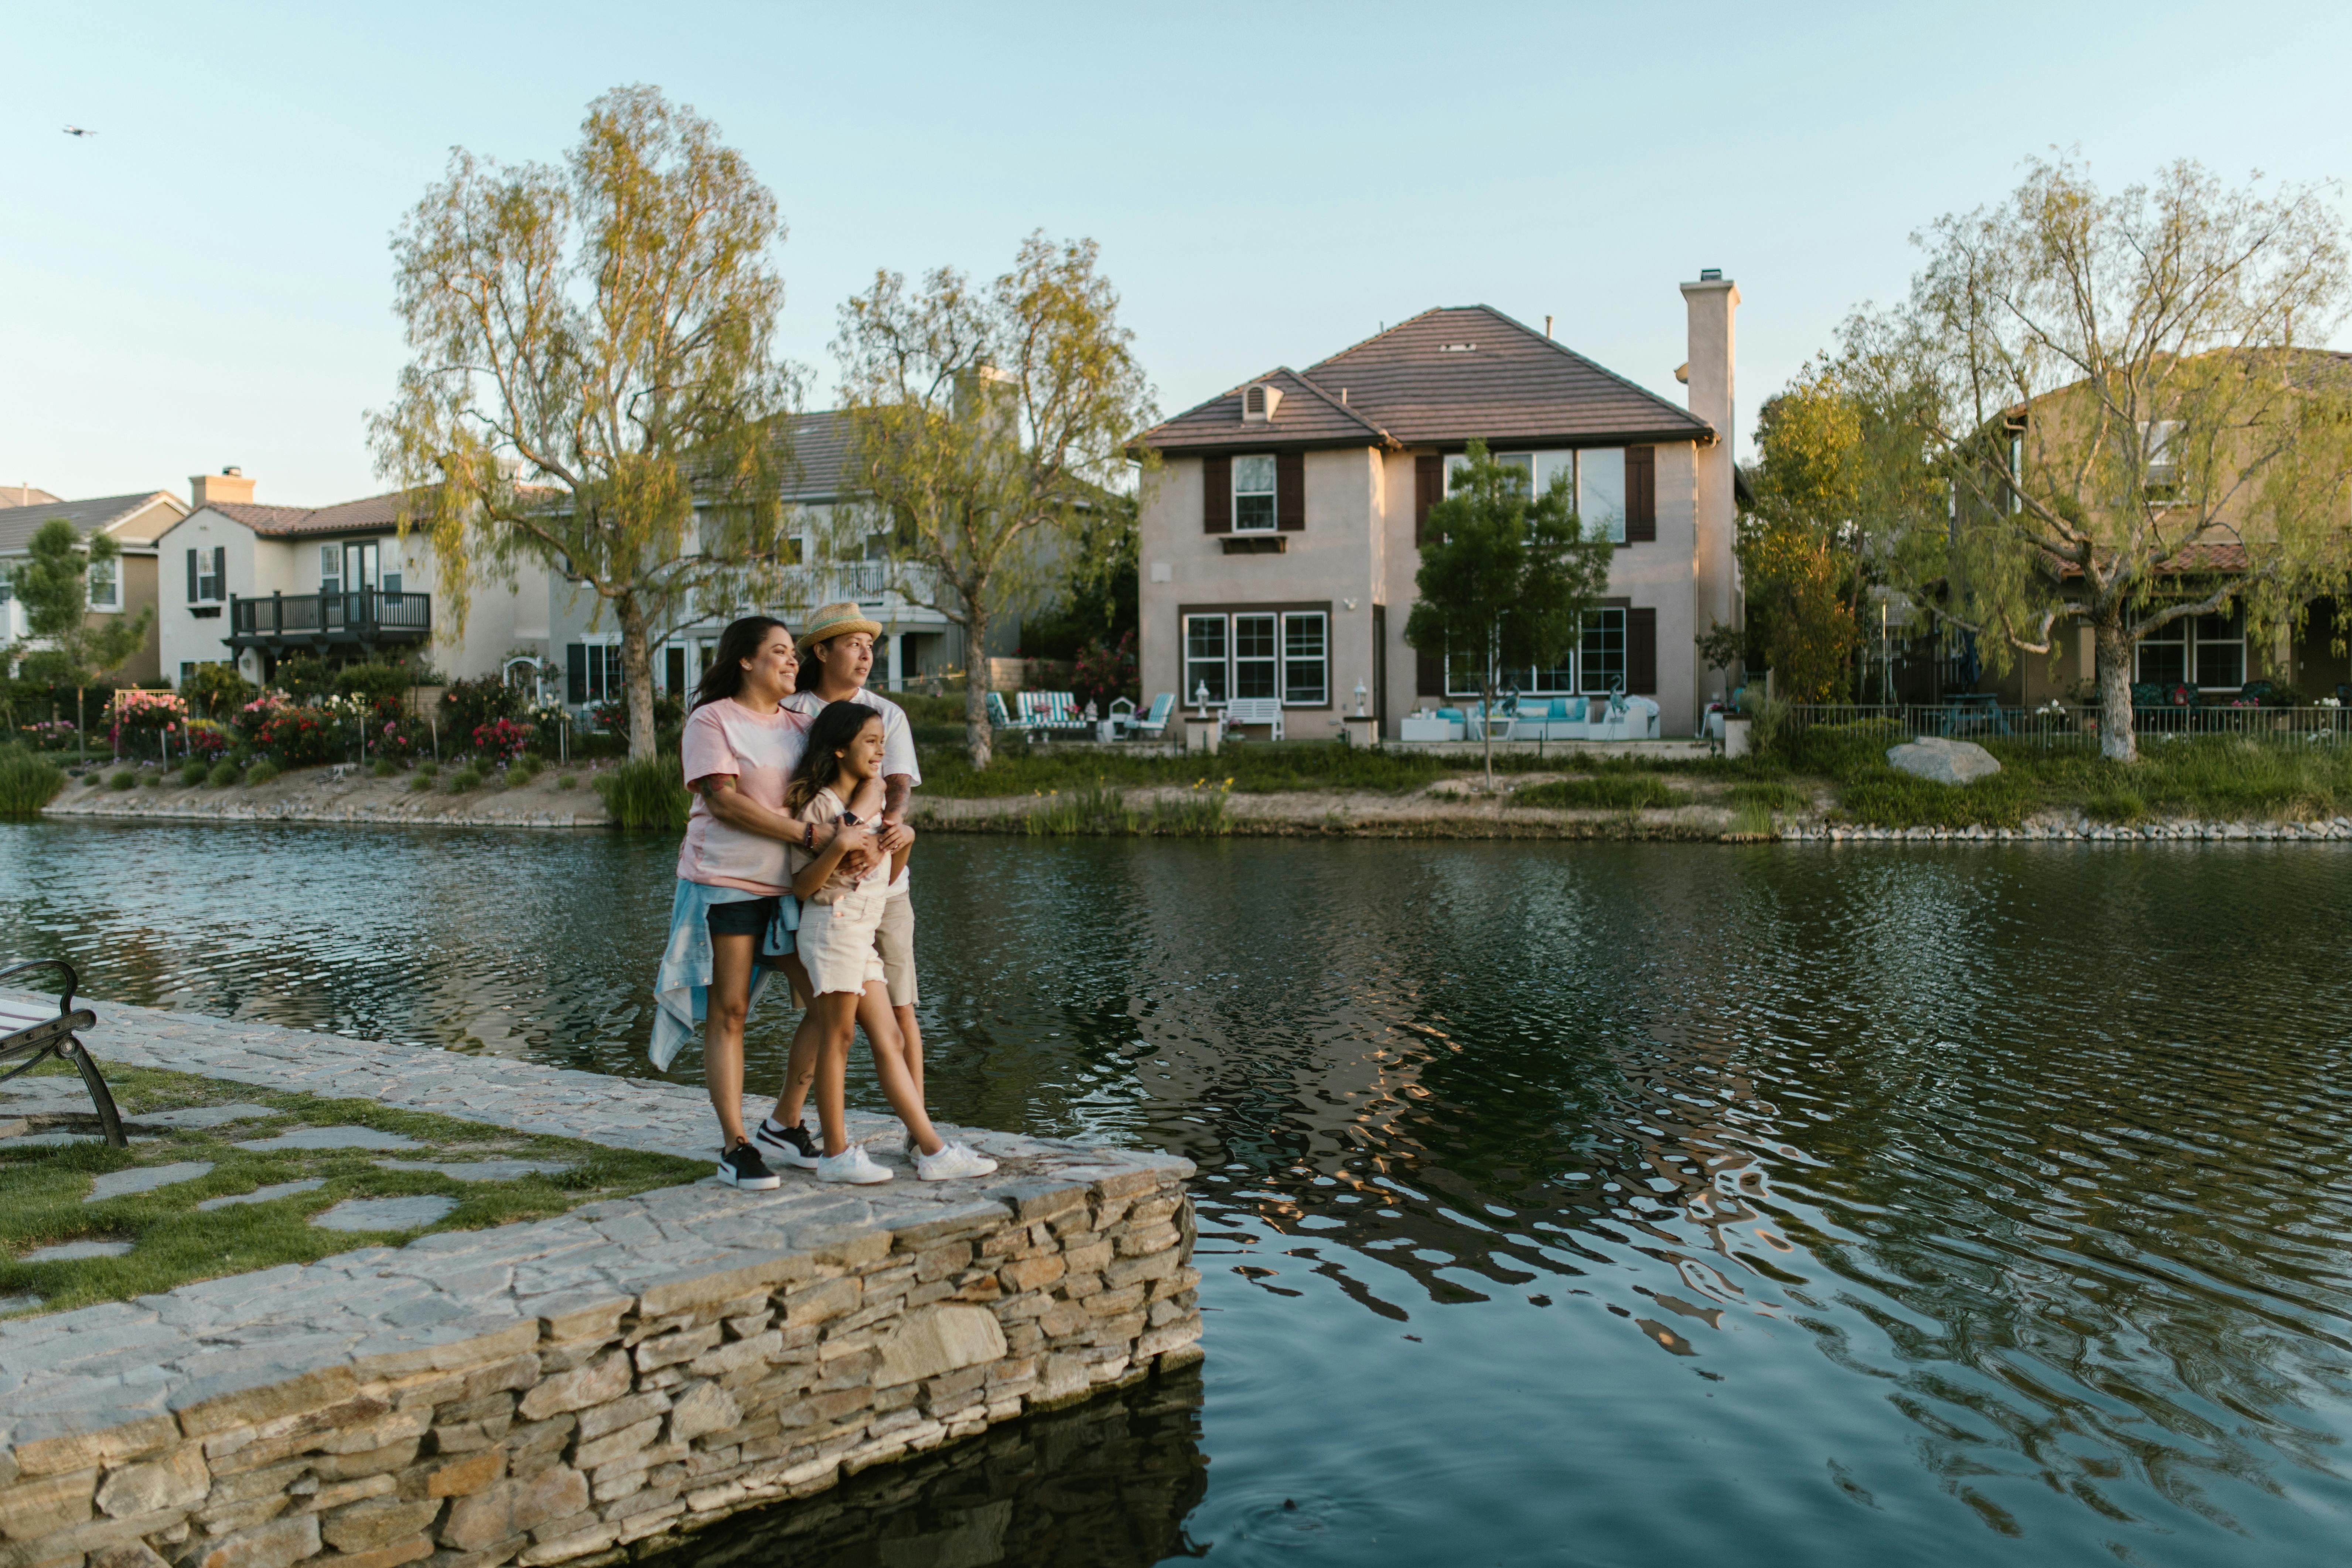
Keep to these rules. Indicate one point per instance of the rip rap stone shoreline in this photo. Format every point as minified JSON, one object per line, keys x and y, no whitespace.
{"x":581,"y":1388}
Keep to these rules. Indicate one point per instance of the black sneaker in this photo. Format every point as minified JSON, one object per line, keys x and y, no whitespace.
{"x":792,"y":1146}
{"x":742,"y":1167}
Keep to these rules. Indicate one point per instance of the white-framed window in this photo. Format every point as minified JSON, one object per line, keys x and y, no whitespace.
{"x":105,"y":579}
{"x":1594,"y":666}
{"x":1596,"y":477}
{"x":2158,"y":437}
{"x":1205,"y":660}
{"x":2204,"y":651}
{"x":207,"y":570}
{"x":1253,"y":654}
{"x":330,"y":568}
{"x":1254,"y":495}
{"x":1306,"y":657}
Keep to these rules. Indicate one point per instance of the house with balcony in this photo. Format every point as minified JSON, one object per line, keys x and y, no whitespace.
{"x":1281,"y":535}
{"x":837,"y":551}
{"x":122,"y":586}
{"x":252,"y":584}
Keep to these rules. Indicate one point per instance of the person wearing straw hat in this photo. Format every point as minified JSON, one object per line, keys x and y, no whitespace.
{"x":836,"y":648}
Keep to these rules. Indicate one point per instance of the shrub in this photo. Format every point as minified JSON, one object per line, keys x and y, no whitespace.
{"x":385,"y":767}
{"x":1638,"y":792}
{"x":306,"y":677}
{"x":204,"y":738}
{"x":299,"y":737}
{"x":467,"y":705}
{"x":531,"y":762}
{"x":217,"y":691}
{"x":223,"y":774}
{"x":569,"y":781}
{"x":122,"y":778}
{"x":1106,"y":673}
{"x":151,"y":781}
{"x":502,"y":740}
{"x":141,"y":719}
{"x":1770,"y":795}
{"x":421,"y":782}
{"x":649,"y":792}
{"x":195,"y":772}
{"x":261,"y":773}
{"x":517,"y":776}
{"x":27,"y":782}
{"x":427,"y":768}
{"x":465,"y":778}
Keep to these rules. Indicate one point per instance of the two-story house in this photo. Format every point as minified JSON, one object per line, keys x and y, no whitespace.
{"x":838,"y":551}
{"x":251,"y":584}
{"x":1281,"y":536}
{"x":121,"y":586}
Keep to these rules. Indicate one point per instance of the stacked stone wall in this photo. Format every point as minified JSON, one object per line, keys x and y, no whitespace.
{"x":604,"y":1422}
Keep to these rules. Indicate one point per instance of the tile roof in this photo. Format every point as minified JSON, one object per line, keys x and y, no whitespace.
{"x":819,"y":444}
{"x":19,"y":523}
{"x":1444,"y":377}
{"x":376,"y":514}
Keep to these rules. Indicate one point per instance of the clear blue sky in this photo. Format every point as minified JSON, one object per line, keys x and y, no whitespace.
{"x":206,"y":280}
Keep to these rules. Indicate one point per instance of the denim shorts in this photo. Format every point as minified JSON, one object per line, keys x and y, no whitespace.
{"x":742,"y":916}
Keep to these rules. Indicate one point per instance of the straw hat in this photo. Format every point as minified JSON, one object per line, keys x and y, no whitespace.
{"x":836,"y":621}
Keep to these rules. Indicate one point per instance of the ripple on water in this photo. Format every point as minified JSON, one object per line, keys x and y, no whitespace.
{"x":1631,"y":1202}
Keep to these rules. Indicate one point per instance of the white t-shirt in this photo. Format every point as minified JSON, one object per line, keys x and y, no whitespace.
{"x":897,"y":747}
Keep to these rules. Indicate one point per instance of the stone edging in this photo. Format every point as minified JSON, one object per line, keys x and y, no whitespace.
{"x":2081,"y":829}
{"x":567,"y":1389}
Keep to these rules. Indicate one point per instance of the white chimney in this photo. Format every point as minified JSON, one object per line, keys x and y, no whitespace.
{"x":1711,"y":304}
{"x":229,"y":485}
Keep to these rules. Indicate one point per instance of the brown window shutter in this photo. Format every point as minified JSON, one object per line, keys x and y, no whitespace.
{"x":1641,"y":495}
{"x":1290,"y":492}
{"x":1428,"y":490}
{"x":1429,"y":674}
{"x":1216,"y":495}
{"x":1642,"y":649}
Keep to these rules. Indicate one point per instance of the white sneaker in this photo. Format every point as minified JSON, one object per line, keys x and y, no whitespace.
{"x":852,"y":1165}
{"x":952,"y":1161}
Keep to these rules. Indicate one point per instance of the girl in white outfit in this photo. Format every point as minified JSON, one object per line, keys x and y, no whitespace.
{"x":840,"y":908}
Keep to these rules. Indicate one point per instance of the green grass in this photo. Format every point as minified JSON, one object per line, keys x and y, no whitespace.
{"x":649,"y":792}
{"x":1099,"y":811}
{"x":1254,"y":768}
{"x":386,"y":768}
{"x":28,"y":781}
{"x":1624,"y":791}
{"x":1767,"y":795}
{"x":176,"y":1245}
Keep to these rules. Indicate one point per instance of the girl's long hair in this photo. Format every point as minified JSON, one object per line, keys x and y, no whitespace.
{"x":836,"y":726}
{"x":740,"y":641}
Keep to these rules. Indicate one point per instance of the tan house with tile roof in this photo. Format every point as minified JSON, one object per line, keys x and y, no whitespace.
{"x":249,"y":584}
{"x":1280,"y":540}
{"x":124,"y":588}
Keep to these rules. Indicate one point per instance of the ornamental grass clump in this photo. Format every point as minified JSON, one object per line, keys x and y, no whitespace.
{"x":517,"y":776}
{"x":468,"y":778}
{"x":649,"y":792}
{"x":195,"y":772}
{"x":386,"y":768}
{"x":1637,"y":792}
{"x":261,"y":773}
{"x":223,"y":774}
{"x":27,"y":782}
{"x":121,"y":778}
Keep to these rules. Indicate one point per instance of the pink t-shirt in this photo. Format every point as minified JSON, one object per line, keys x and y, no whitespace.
{"x":760,"y":750}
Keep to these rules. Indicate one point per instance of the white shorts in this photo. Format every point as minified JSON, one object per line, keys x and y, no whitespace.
{"x":836,"y":942}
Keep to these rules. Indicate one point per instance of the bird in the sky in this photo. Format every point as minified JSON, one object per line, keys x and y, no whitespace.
{"x":78,"y":130}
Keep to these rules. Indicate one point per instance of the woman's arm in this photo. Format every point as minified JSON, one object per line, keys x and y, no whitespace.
{"x":737,"y":810}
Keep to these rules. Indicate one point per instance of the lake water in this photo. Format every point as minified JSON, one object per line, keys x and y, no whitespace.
{"x":1559,"y":1204}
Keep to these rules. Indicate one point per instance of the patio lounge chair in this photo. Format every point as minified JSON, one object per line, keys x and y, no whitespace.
{"x":1046,"y":714}
{"x":1153,"y":722}
{"x":33,"y":1032}
{"x":998,"y":718}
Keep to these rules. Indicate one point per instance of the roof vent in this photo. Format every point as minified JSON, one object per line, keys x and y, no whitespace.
{"x":1710,"y":274}
{"x":1456,"y":348}
{"x":1259,"y":400}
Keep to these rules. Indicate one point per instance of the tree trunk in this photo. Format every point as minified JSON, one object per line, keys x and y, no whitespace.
{"x":2116,"y":741}
{"x":1487,"y":722}
{"x":637,"y":677}
{"x":977,"y":736}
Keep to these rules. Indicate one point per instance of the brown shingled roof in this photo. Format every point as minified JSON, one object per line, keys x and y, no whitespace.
{"x":376,"y":514}
{"x":1446,"y":377}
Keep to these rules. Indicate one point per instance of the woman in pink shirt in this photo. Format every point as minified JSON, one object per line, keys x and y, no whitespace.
{"x":733,"y":914}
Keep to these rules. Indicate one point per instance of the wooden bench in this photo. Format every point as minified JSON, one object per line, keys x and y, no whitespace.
{"x":1266,"y":710}
{"x":33,"y":1032}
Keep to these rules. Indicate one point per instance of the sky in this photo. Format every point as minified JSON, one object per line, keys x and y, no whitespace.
{"x":206,"y":280}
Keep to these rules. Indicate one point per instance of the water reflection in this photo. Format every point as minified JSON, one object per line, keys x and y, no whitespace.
{"x":1104,"y":1485}
{"x":1619,"y":1202}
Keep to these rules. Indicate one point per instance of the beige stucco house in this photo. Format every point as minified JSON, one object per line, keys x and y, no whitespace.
{"x":249,"y":584}
{"x":1279,"y":539}
{"x":123,"y":587}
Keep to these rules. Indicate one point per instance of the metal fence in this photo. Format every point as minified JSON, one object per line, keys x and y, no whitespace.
{"x":2066,"y":724}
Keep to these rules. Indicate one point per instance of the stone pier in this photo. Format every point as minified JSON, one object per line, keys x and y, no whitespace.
{"x":576,"y":1389}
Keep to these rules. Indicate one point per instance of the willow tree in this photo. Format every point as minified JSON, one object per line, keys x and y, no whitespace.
{"x":591,"y":373}
{"x":2122,"y":396}
{"x":984,"y":424}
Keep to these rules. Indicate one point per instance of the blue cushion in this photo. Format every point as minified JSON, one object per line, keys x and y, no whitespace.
{"x":1453,"y":713}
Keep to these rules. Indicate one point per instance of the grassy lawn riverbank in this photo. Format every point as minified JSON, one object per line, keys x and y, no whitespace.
{"x":61,"y":1193}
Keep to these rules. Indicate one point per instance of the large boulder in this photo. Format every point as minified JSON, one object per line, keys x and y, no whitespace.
{"x":1946,"y":762}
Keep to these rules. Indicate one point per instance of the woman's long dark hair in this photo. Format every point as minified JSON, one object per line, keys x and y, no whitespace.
{"x":740,"y":641}
{"x":836,"y":726}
